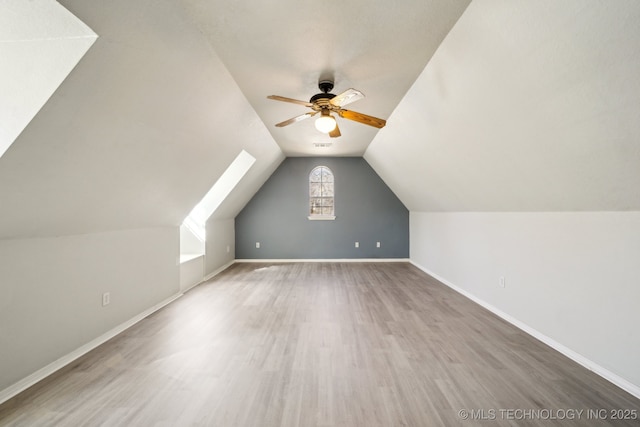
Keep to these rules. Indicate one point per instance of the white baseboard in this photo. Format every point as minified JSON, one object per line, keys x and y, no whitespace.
{"x":210,"y":275}
{"x":218,"y":271}
{"x":52,"y":367}
{"x":328,"y":260}
{"x":576,"y":357}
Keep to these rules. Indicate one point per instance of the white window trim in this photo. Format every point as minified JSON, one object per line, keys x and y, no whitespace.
{"x":323,"y":217}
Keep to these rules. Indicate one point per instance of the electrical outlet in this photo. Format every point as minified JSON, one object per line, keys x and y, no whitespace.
{"x":257,"y":245}
{"x":502,"y":284}
{"x":357,"y":244}
{"x":106,"y":299}
{"x":377,"y":244}
{"x":228,"y":248}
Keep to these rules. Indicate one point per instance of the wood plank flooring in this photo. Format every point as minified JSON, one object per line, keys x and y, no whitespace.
{"x":322,"y":344}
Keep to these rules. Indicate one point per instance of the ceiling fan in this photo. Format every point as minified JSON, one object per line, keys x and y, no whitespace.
{"x":325,"y":103}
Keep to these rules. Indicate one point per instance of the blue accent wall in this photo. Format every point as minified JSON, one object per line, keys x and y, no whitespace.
{"x":366,"y":211}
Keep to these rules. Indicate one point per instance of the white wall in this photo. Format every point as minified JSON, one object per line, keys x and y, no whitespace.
{"x":572,"y":277}
{"x":191,"y":272}
{"x":189,"y":243}
{"x":51,"y":291}
{"x":220,"y":236}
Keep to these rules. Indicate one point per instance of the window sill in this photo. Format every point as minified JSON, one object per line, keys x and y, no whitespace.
{"x":322,"y":217}
{"x":188,"y":257}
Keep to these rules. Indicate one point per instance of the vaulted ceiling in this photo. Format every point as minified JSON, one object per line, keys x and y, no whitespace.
{"x":286,"y":47}
{"x":492,"y":105}
{"x":526,"y":106}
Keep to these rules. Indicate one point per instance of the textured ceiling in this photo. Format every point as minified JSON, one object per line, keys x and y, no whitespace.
{"x":285,"y":47}
{"x":526,"y":106}
{"x":137,"y":133}
{"x":40,"y":42}
{"x":495,"y":105}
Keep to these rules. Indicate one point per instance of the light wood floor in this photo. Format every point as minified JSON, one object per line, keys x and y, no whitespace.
{"x":320,"y":344}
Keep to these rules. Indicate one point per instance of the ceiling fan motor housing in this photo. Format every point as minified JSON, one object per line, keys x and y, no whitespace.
{"x":325,"y":86}
{"x":326,"y":96}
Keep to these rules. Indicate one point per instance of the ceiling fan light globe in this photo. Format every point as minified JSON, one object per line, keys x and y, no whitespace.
{"x":325,"y":124}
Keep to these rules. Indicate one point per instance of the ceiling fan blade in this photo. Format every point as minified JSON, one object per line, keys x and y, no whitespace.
{"x":293,"y":101}
{"x":346,"y":97}
{"x":297,"y":119}
{"x":335,"y":132}
{"x":362,"y":118}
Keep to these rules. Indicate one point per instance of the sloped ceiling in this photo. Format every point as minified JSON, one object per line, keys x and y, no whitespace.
{"x":40,"y":42}
{"x":526,"y":106}
{"x":137,"y":133}
{"x":522,"y":105}
{"x":285,"y":47}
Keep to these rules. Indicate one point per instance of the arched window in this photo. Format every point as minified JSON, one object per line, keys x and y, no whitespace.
{"x":321,"y":193}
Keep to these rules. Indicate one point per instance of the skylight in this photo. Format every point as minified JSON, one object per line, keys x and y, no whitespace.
{"x":197,"y":219}
{"x":40,"y":43}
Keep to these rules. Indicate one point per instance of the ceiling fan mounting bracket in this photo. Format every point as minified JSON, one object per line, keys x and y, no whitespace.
{"x":325,"y":85}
